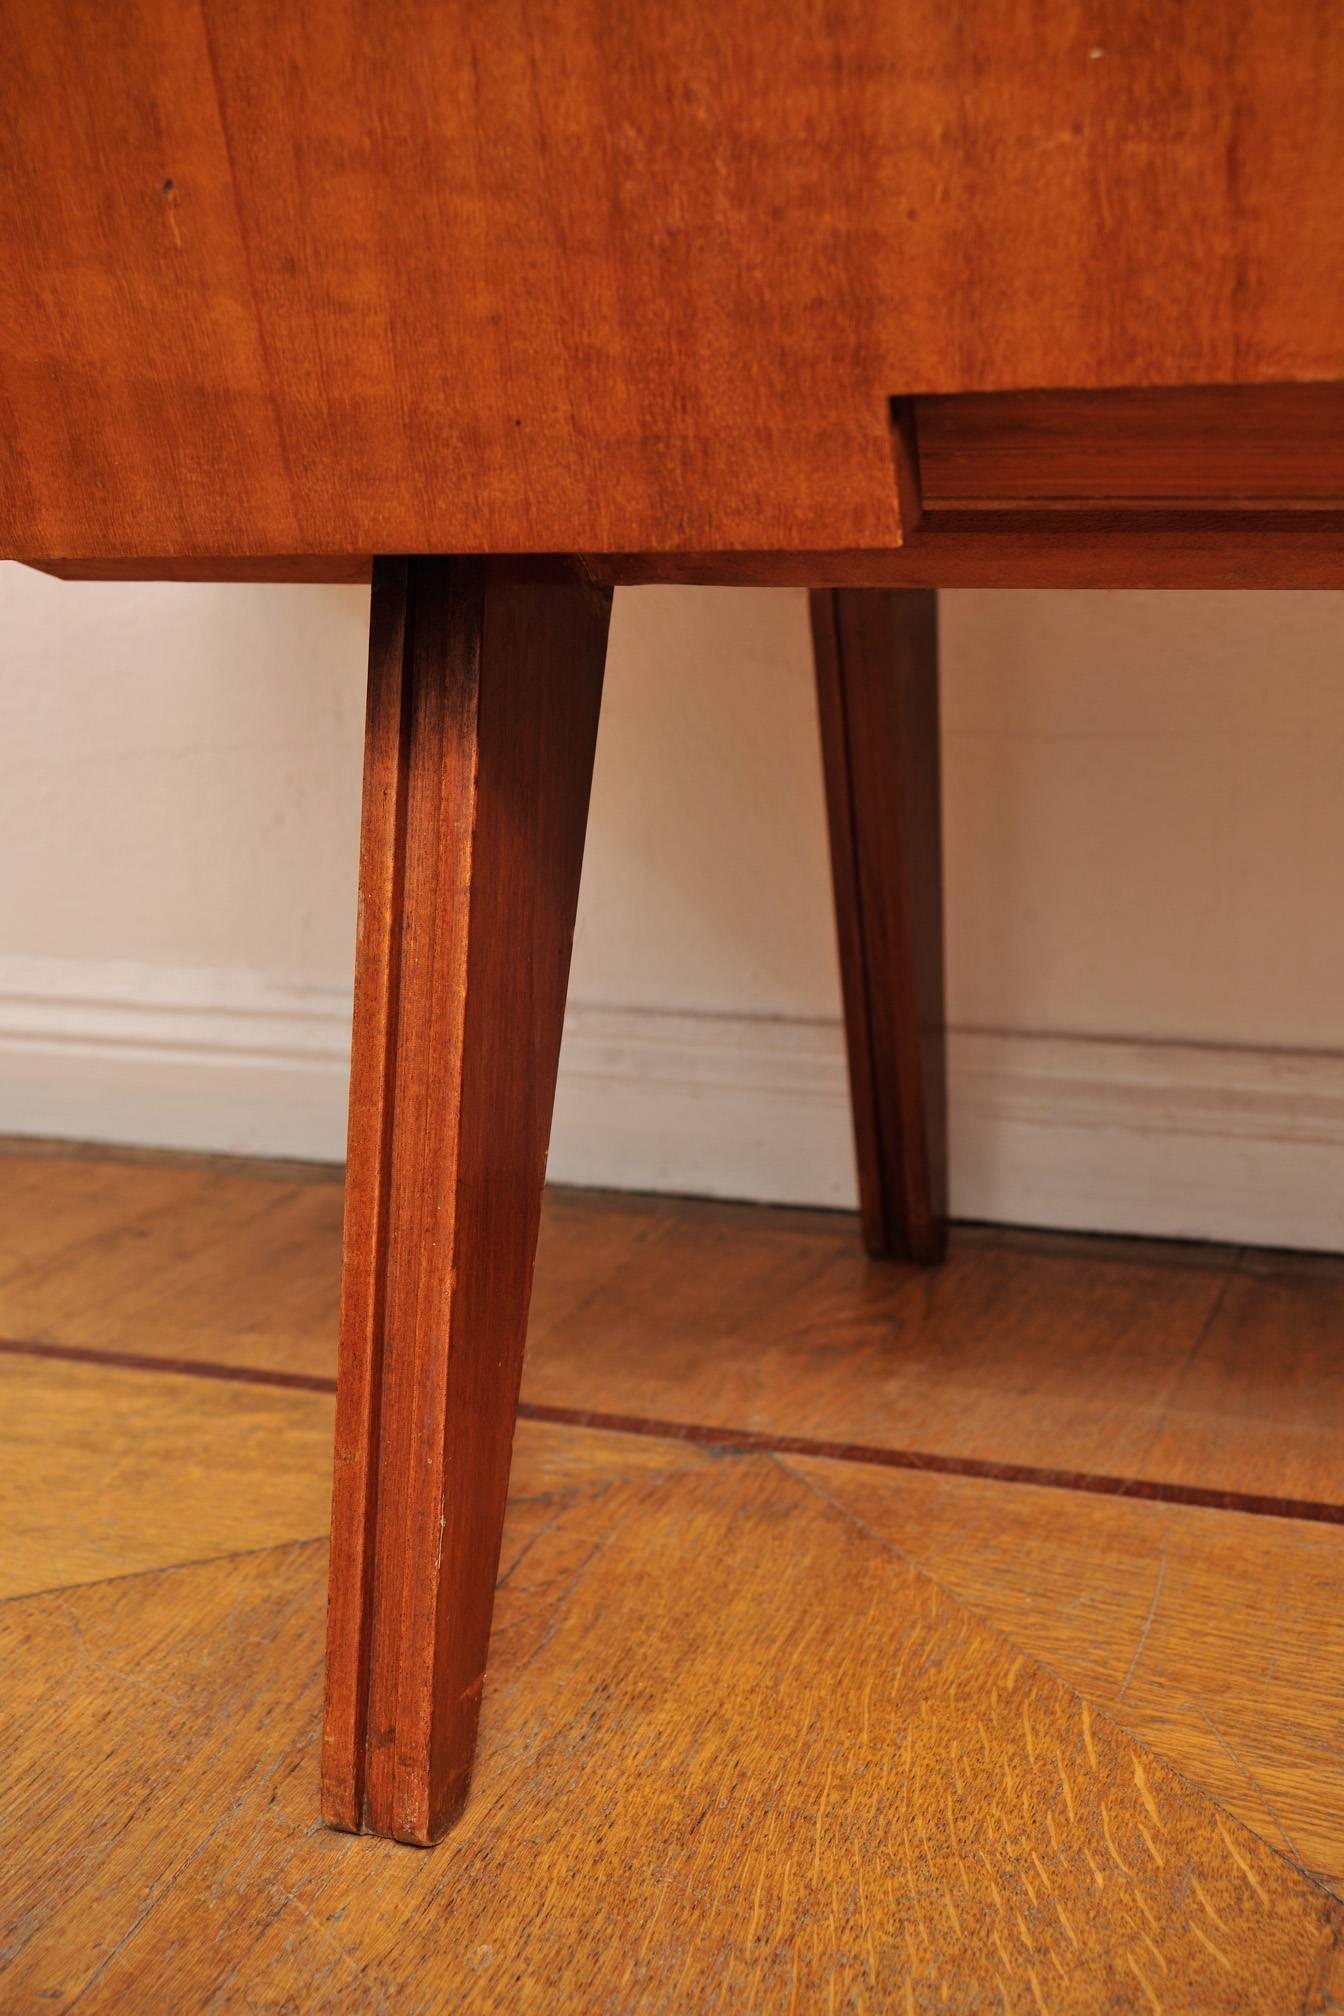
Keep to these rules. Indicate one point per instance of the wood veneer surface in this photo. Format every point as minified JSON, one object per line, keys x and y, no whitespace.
{"x":434,"y":277}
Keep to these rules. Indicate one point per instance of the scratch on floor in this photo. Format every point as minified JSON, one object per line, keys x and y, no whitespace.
{"x":1251,"y":1780}
{"x":1147,"y":1625}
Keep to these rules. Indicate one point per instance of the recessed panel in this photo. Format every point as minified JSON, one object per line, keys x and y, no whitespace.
{"x":1204,"y":445}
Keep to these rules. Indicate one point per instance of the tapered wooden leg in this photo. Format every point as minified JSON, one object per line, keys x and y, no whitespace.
{"x":877,"y":686}
{"x":484,"y":681}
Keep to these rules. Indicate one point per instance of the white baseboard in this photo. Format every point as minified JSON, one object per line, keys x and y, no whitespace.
{"x":1180,"y":1140}
{"x":192,"y":1057}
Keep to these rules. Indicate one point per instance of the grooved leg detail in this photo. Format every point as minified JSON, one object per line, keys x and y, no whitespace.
{"x":484,"y":684}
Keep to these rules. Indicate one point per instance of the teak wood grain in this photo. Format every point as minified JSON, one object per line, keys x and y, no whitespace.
{"x":423,"y":279}
{"x":1185,"y":486}
{"x":950,"y":548}
{"x":1196,"y":445}
{"x":1035,"y":547}
{"x":484,"y":683}
{"x":876,"y":656}
{"x":431,"y":278}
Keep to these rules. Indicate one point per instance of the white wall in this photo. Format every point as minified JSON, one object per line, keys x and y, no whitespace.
{"x":1145,"y":838}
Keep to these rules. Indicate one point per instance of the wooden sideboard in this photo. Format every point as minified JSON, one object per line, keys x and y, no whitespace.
{"x":504,"y":306}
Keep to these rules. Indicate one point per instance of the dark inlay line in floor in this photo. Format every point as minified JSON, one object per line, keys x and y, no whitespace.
{"x":714,"y":1436}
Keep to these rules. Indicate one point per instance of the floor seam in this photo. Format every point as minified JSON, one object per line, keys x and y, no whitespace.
{"x":1209,"y":1498}
{"x":161,"y":1568}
